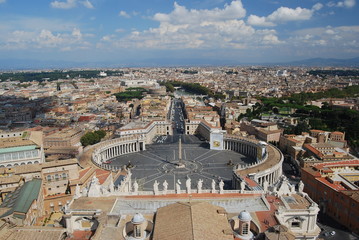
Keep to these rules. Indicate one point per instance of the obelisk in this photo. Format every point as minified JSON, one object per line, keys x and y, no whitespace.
{"x":180,"y":163}
{"x":180,"y":150}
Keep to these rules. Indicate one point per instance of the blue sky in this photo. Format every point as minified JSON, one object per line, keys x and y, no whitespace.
{"x":122,"y":31}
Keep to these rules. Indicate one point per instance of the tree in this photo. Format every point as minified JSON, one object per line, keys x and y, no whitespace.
{"x":302,"y":126}
{"x":91,"y":138}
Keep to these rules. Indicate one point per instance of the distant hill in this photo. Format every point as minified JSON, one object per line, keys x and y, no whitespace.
{"x":30,"y":64}
{"x":322,"y":62}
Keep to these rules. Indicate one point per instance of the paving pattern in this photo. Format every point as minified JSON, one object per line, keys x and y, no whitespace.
{"x":160,"y":160}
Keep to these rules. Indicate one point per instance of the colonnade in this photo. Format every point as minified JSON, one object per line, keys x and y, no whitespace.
{"x":116,"y":147}
{"x":245,"y":148}
{"x":271,"y":177}
{"x":266,"y":169}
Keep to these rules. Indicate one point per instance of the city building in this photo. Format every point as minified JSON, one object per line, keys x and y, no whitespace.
{"x":292,"y":145}
{"x":145,"y":130}
{"x":262,"y":130}
{"x":335,"y":187}
{"x":21,"y":148}
{"x":323,"y":152}
{"x":23,"y":206}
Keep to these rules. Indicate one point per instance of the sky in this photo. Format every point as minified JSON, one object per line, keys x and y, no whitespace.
{"x":160,"y":31}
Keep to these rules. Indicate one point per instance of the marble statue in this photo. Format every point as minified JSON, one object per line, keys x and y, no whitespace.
{"x":77,"y":192}
{"x":300,"y":186}
{"x":213,"y":186}
{"x":199,"y":185}
{"x":95,"y":188}
{"x":155,"y":187}
{"x":111,"y":186}
{"x":265,"y":186}
{"x":243,"y":186}
{"x":135,"y":187}
{"x":188,"y":185}
{"x":165,"y":187}
{"x":178,"y":186}
{"x":221,"y":184}
{"x":84,"y":192}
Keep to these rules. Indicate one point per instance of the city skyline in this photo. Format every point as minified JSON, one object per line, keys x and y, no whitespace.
{"x":211,"y":31}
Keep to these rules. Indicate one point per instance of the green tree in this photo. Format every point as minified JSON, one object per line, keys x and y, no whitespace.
{"x":91,"y":138}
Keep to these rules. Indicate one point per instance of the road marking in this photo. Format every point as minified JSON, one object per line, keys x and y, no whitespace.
{"x":202,"y":154}
{"x":209,"y":156}
{"x":150,"y":157}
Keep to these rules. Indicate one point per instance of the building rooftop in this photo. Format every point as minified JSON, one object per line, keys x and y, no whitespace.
{"x":21,"y":199}
{"x":191,"y":220}
{"x":33,"y":233}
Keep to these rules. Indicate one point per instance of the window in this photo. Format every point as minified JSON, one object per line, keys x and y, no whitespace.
{"x":57,"y":177}
{"x":296,"y":224}
{"x":245,"y":228}
{"x":137,"y":231}
{"x":48,"y":178}
{"x":49,"y":189}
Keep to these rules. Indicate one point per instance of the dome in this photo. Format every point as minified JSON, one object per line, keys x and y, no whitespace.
{"x":138,"y":219}
{"x":244,"y":216}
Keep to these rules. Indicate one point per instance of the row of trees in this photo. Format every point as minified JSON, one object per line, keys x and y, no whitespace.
{"x":299,"y":100}
{"x":327,"y":118}
{"x":344,"y":73}
{"x":91,"y":138}
{"x":194,"y":88}
{"x":54,"y":75}
{"x":130,"y":94}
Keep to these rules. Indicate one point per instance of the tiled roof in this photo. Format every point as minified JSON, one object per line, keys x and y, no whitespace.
{"x":191,"y":221}
{"x":21,"y":199}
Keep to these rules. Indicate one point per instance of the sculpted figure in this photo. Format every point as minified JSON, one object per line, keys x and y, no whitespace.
{"x":165,"y":186}
{"x":221,"y":184}
{"x":213,"y":186}
{"x":155,"y":187}
{"x":135,"y":187}
{"x":188,"y":185}
{"x":178,"y":186}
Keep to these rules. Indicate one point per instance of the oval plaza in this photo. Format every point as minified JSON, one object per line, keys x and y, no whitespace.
{"x":218,"y":156}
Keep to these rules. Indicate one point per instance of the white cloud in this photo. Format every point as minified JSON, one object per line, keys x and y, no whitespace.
{"x":181,"y":15}
{"x":259,"y":21}
{"x":284,"y":14}
{"x":345,"y":3}
{"x":70,"y":4}
{"x":64,"y":5}
{"x":330,"y":31}
{"x":334,"y":37}
{"x":199,"y":29}
{"x":76,"y":33}
{"x":87,"y":4}
{"x":124,"y":14}
{"x":47,"y":39}
{"x":2,"y":1}
{"x":317,"y":6}
{"x":271,"y":39}
{"x":44,"y":39}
